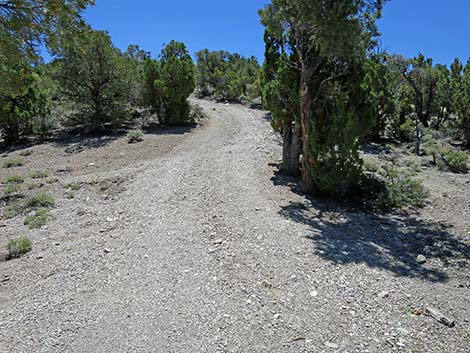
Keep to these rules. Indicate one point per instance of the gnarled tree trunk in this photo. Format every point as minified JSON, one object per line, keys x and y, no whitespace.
{"x":306,"y":123}
{"x":291,"y":148}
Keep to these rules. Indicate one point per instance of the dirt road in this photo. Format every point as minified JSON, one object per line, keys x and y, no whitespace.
{"x":208,"y":250}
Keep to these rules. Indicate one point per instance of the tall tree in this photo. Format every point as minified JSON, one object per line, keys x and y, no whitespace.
{"x":329,"y":39}
{"x":422,"y":78}
{"x":93,"y":75}
{"x":25,"y":25}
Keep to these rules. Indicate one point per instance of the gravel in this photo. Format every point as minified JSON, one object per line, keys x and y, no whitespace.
{"x":205,"y":248}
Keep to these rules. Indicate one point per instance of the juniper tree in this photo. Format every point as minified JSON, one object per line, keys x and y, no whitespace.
{"x":93,"y":76}
{"x":330,"y":40}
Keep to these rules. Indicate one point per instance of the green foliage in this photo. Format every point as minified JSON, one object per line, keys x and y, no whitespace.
{"x":11,"y":211}
{"x":12,"y":189}
{"x":456,"y":161}
{"x":26,"y":153}
{"x":39,"y":200}
{"x":196,"y":113}
{"x":15,"y":179}
{"x":227,"y":76}
{"x":338,"y":168}
{"x":328,"y":43}
{"x":391,"y":189}
{"x":37,"y":219}
{"x":135,"y":136}
{"x":74,"y":185}
{"x":20,"y":111}
{"x":168,"y":84}
{"x":18,"y":247}
{"x":12,"y":163}
{"x":39,"y":174}
{"x":93,"y":76}
{"x":407,"y":130}
{"x":25,"y":26}
{"x":463,"y":104}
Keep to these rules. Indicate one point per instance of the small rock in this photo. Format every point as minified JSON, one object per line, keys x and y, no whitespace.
{"x":5,"y":278}
{"x":39,"y":257}
{"x":421,"y":259}
{"x":107,"y":251}
{"x":314,"y":293}
{"x":403,"y":331}
{"x":267,"y":284}
{"x":91,"y":164}
{"x":331,"y":345}
{"x":384,"y":294}
{"x":218,"y":242}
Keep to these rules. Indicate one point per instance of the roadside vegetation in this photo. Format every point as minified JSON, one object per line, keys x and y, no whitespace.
{"x":328,"y":87}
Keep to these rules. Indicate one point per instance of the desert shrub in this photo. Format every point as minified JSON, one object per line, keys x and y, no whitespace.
{"x":39,"y":200}
{"x":12,"y":189}
{"x":135,"y":136}
{"x":414,"y":165}
{"x":74,"y":185}
{"x":15,"y":179}
{"x":38,"y":174}
{"x":11,"y":163}
{"x":456,"y":161}
{"x":11,"y":211}
{"x":18,"y":247}
{"x":392,"y":189}
{"x":370,"y":167}
{"x":26,"y":153}
{"x":406,"y":130}
{"x":37,"y":219}
{"x":196,"y":113}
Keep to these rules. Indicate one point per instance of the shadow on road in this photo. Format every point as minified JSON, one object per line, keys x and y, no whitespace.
{"x":345,"y":235}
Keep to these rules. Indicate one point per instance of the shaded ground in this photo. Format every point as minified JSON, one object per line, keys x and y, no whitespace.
{"x":204,"y":247}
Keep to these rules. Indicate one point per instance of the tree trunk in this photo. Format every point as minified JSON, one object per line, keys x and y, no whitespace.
{"x":11,"y":133}
{"x":291,"y":148}
{"x":306,"y":122}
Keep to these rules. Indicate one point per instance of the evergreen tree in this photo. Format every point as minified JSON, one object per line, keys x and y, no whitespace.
{"x":93,"y":76}
{"x":330,"y":40}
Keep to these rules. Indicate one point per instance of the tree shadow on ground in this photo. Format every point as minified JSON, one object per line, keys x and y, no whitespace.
{"x":344,"y":234}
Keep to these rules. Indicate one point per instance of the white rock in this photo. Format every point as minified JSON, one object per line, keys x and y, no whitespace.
{"x":421,"y":259}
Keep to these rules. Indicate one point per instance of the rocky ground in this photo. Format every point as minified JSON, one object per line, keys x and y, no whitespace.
{"x":192,"y":242}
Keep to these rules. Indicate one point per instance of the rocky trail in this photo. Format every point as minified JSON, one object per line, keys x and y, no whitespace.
{"x":208,"y":249}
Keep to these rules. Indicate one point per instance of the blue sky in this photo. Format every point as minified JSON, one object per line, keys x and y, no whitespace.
{"x":440,"y":29}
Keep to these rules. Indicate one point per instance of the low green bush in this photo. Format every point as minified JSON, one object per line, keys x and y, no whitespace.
{"x":74,"y":185}
{"x":39,"y":200}
{"x":37,"y":219}
{"x":391,"y":189}
{"x":11,"y":211}
{"x":135,"y":136}
{"x":39,"y":174}
{"x":12,"y":189}
{"x":26,"y":153}
{"x":196,"y":113}
{"x":406,"y":130}
{"x":456,"y":161}
{"x":11,"y":163}
{"x":18,"y":247}
{"x":15,"y":179}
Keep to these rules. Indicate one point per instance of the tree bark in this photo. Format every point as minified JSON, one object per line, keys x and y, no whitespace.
{"x":291,"y":148}
{"x":306,"y":123}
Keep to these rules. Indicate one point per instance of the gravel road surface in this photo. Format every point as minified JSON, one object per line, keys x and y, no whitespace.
{"x":209,"y":250}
